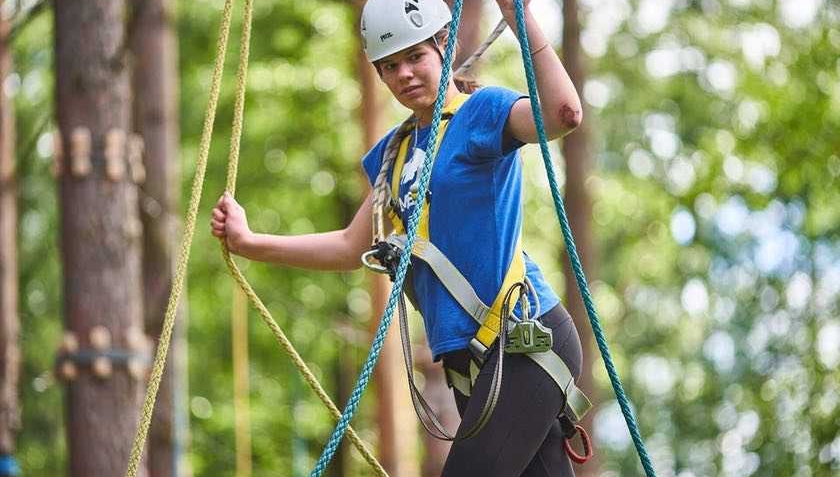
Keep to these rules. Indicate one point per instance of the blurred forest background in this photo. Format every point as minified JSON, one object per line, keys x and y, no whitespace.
{"x":712,"y":203}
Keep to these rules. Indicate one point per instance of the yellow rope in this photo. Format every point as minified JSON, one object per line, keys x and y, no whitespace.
{"x":189,"y":229}
{"x":301,"y":365}
{"x":184,"y":255}
{"x":241,"y":406}
{"x":233,"y":162}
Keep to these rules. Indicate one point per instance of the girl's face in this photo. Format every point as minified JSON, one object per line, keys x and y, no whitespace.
{"x":413,"y":75}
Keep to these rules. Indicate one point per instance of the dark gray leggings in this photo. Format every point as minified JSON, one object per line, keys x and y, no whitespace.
{"x":523,"y":436}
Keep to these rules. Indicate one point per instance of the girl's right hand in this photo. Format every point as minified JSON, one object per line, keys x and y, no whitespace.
{"x":230,"y":223}
{"x":509,"y":6}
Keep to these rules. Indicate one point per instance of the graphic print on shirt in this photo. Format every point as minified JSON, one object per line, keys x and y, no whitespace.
{"x":411,"y":175}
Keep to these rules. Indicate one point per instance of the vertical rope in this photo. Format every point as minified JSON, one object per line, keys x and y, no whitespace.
{"x":425,"y":175}
{"x":241,"y":387}
{"x":571,"y":249}
{"x":236,"y":273}
{"x":189,"y":229}
{"x":184,"y":255}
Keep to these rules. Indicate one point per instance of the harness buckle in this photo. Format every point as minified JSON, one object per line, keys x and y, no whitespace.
{"x":478,"y":351}
{"x":528,"y":336}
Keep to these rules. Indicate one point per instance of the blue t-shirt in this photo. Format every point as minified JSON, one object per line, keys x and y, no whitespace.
{"x":475,"y":214}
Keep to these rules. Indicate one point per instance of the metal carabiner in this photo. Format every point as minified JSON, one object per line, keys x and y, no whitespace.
{"x":376,"y":267}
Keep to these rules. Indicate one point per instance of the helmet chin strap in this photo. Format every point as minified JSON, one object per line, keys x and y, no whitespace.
{"x":438,"y":48}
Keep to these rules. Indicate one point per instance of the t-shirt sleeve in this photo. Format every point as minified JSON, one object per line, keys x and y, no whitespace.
{"x":489,"y":110}
{"x":372,"y":161}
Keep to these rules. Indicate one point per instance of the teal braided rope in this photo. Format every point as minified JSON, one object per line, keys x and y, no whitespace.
{"x":571,"y":249}
{"x":414,"y":220}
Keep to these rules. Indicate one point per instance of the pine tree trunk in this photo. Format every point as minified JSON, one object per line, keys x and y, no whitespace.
{"x":100,"y":230}
{"x":154,"y":50}
{"x":579,"y":206}
{"x":9,"y":322}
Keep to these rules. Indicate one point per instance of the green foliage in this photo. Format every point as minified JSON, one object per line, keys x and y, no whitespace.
{"x":298,"y":174}
{"x":41,"y":447}
{"x":718,"y":240}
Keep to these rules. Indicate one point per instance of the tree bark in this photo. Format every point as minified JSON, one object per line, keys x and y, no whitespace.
{"x":100,"y":230}
{"x":579,"y":205}
{"x":9,"y":321}
{"x":154,"y":53}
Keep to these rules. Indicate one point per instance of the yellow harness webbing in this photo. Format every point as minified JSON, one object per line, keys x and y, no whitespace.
{"x":399,"y":162}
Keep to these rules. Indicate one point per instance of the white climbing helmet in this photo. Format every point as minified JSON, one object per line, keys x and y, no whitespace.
{"x":389,"y":26}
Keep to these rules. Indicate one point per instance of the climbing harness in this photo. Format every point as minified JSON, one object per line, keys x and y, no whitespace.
{"x":527,"y":336}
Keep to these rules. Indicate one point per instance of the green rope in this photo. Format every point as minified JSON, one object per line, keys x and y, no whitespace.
{"x":411,"y":231}
{"x":236,"y":273}
{"x":571,"y":249}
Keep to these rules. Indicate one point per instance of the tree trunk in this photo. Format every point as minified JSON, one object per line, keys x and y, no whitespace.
{"x":100,"y":233}
{"x":153,"y":46}
{"x":9,"y":322}
{"x":579,"y":206}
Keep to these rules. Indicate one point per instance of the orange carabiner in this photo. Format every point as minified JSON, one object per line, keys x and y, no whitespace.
{"x":587,"y":447}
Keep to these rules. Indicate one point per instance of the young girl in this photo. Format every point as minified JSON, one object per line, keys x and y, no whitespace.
{"x":474,"y":219}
